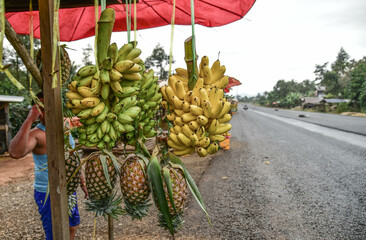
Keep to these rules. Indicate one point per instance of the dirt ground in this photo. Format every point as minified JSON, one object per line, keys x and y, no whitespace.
{"x":20,"y":219}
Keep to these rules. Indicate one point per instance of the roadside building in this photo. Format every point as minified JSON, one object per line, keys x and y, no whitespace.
{"x":5,"y":126}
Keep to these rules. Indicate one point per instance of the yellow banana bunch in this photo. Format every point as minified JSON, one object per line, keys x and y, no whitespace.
{"x":199,"y":116}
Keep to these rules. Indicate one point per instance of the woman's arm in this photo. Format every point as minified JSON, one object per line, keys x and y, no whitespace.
{"x":24,"y":141}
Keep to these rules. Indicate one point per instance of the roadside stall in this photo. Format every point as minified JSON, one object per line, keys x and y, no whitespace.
{"x":117,"y":100}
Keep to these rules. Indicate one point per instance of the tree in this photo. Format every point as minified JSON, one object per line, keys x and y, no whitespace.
{"x":87,"y":52}
{"x":356,"y":89}
{"x":158,"y":61}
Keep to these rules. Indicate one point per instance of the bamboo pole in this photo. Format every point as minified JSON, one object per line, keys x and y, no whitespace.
{"x":54,"y":127}
{"x":110,"y":228}
{"x":23,"y":53}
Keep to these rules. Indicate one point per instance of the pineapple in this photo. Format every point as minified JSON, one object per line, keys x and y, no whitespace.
{"x":96,"y":182}
{"x":179,"y":186}
{"x":65,"y":63}
{"x":71,"y":164}
{"x":99,"y":168}
{"x":135,"y":187}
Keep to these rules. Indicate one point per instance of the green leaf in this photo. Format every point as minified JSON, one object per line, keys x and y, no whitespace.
{"x":192,"y":185}
{"x":156,"y":184}
{"x":168,"y":183}
{"x":114,"y":160}
{"x":103,"y":160}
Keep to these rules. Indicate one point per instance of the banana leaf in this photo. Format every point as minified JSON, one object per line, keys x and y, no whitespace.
{"x":192,"y":185}
{"x":156,"y":184}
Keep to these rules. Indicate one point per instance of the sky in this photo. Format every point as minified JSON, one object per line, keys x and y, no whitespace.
{"x":282,"y":39}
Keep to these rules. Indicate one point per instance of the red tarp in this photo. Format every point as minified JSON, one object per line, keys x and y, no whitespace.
{"x":78,"y":23}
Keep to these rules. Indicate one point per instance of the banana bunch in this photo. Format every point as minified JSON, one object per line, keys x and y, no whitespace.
{"x":200,"y":117}
{"x":105,"y":98}
{"x":149,"y":103}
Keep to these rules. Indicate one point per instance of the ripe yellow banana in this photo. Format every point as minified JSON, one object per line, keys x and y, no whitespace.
{"x":124,"y":50}
{"x":225,"y":109}
{"x":186,"y":106}
{"x":134,"y":53}
{"x":116,"y":87}
{"x":176,"y":146}
{"x":204,"y":62}
{"x":222,"y":82}
{"x":188,"y":117}
{"x":207,"y":109}
{"x":193,"y":125}
{"x":223,"y":128}
{"x":213,"y":126}
{"x":172,"y":80}
{"x":178,"y":104}
{"x":179,"y":87}
{"x":183,"y":139}
{"x":90,"y":101}
{"x":76,"y":103}
{"x":196,"y":101}
{"x":227,"y":117}
{"x":203,"y":95}
{"x":177,"y":129}
{"x":202,"y":120}
{"x":213,"y":148}
{"x":207,"y":75}
{"x":178,"y":112}
{"x":72,"y":86}
{"x":196,"y":110}
{"x":85,"y":91}
{"x":174,"y":138}
{"x":217,"y":73}
{"x":194,"y":140}
{"x":98,"y":109}
{"x":186,"y":130}
{"x":202,"y":152}
{"x":204,"y":142}
{"x":184,"y":152}
{"x":188,"y":97}
{"x":217,"y":137}
{"x":182,"y":72}
{"x":178,"y":121}
{"x":171,"y":116}
{"x":71,"y":95}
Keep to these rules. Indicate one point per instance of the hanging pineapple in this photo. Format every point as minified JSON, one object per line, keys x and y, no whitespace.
{"x":135,"y":187}
{"x":65,"y":63}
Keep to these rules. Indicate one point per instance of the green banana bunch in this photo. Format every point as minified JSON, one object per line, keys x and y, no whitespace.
{"x":200,"y":116}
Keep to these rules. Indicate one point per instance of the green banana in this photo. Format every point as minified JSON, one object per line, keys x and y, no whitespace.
{"x":86,"y":71}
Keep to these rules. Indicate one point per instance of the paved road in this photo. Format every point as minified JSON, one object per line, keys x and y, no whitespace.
{"x":283,"y":179}
{"x":345,"y":123}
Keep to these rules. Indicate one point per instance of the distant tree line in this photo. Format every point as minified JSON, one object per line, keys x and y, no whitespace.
{"x":344,"y":78}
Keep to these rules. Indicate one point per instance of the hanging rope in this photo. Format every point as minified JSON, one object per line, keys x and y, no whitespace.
{"x":193,"y":39}
{"x":5,"y":68}
{"x":96,"y":15}
{"x":55,"y":42}
{"x":31,"y":50}
{"x":134,"y":21}
{"x":128,"y":19}
{"x":171,"y":39}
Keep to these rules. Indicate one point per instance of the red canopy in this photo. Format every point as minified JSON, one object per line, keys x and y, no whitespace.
{"x":78,"y":23}
{"x":232,"y":82}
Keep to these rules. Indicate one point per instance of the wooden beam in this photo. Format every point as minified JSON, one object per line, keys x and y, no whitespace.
{"x":23,"y":53}
{"x":54,"y":128}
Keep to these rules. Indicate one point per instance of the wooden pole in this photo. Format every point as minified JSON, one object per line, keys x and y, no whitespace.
{"x":54,"y":127}
{"x":23,"y":53}
{"x":110,"y":228}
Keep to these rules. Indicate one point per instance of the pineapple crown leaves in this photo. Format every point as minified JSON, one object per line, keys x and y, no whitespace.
{"x":156,"y":184}
{"x":137,"y":211}
{"x":177,"y":163}
{"x":109,"y":206}
{"x":177,"y":222}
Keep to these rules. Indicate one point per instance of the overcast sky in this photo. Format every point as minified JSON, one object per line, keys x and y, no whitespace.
{"x":282,"y":39}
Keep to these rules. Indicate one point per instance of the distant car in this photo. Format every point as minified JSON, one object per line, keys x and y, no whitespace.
{"x":276,"y":109}
{"x":245,"y":107}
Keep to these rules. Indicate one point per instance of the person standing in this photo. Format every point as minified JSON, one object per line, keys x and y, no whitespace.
{"x":34,"y":140}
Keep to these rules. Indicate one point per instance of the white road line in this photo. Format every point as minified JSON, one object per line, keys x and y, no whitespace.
{"x":351,"y":138}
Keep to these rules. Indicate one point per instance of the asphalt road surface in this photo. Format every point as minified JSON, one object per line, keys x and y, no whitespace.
{"x":284,"y":179}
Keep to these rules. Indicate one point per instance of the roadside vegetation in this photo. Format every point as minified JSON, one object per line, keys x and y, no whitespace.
{"x":345,"y":78}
